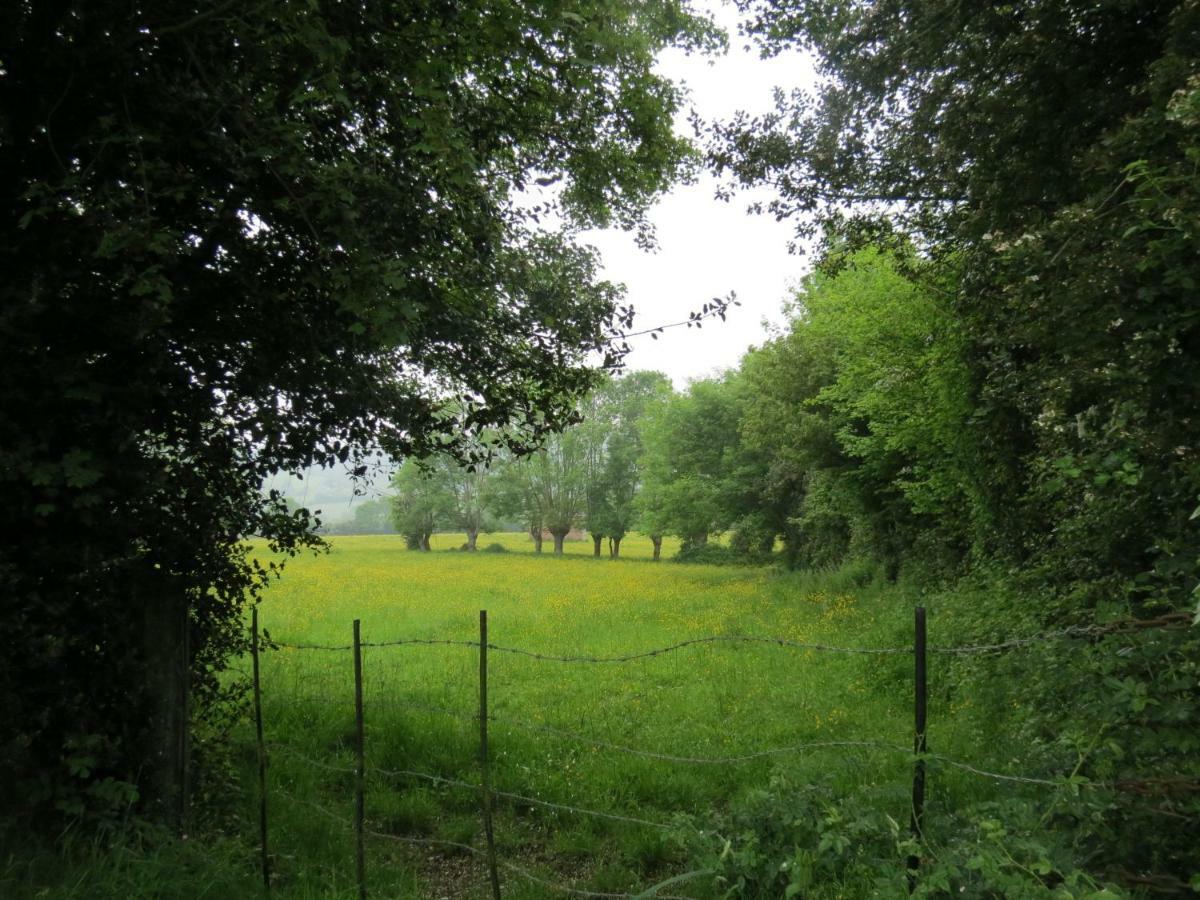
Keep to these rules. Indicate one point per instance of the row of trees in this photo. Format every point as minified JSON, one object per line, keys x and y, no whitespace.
{"x":1015,"y":399}
{"x":588,"y":476}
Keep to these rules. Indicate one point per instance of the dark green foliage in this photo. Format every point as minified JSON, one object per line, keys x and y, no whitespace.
{"x":254,"y":238}
{"x":1017,"y":395}
{"x":718,"y":555}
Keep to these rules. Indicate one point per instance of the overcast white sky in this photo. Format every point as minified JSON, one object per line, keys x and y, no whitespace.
{"x":707,"y":247}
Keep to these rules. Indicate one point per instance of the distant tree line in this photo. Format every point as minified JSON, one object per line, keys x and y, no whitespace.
{"x":588,"y":476}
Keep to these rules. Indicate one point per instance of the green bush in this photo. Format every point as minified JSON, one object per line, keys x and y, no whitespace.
{"x":719,"y":555}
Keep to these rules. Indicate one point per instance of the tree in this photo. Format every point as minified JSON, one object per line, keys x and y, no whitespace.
{"x":514,"y":494}
{"x":1044,"y":154}
{"x":689,"y":443}
{"x":470,"y":488}
{"x":1043,"y":158}
{"x":249,"y":239}
{"x":624,"y":402}
{"x":611,"y":450}
{"x":422,"y":503}
{"x":862,"y":409}
{"x":372,"y":516}
{"x":558,"y":481}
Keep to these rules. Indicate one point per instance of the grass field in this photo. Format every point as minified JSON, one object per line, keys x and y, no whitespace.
{"x":557,"y":727}
{"x":705,"y":701}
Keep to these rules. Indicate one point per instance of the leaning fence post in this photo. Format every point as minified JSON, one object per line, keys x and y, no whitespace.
{"x":919,"y":745}
{"x":262,"y":753}
{"x":360,"y":858}
{"x":485,"y":793}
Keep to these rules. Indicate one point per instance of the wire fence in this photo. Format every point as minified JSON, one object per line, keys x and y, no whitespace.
{"x":918,"y":753}
{"x":1121,"y":626}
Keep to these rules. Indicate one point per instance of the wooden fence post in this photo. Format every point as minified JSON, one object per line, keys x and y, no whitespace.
{"x":360,"y":850}
{"x":919,"y":743}
{"x":485,"y":794}
{"x":262,"y":753}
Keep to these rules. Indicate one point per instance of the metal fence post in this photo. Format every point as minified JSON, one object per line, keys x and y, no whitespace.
{"x":262,"y":753}
{"x":360,"y":853}
{"x":485,"y":795}
{"x":919,"y":743}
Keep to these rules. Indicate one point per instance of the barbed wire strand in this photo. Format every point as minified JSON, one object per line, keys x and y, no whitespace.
{"x":465,"y":785}
{"x":628,"y":657}
{"x":1044,"y":637}
{"x":637,"y":751}
{"x":520,"y":798}
{"x":762,"y":754}
{"x":475,"y":851}
{"x":1075,"y":631}
{"x":518,"y":870}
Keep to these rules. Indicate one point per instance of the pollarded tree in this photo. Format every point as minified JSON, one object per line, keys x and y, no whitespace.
{"x":514,"y":494}
{"x":558,"y":477}
{"x":615,"y":476}
{"x":471,"y":488}
{"x":423,"y":502}
{"x":239,"y":239}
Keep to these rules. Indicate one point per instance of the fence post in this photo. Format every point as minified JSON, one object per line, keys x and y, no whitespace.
{"x":919,"y":744}
{"x":262,"y":753}
{"x":360,"y":857}
{"x":485,"y":794}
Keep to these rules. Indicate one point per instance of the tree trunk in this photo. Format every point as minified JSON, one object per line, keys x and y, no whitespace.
{"x":536,"y":534}
{"x":166,"y":743}
{"x":425,"y":543}
{"x":656,"y":540}
{"x":472,"y":537}
{"x":596,"y":539}
{"x":614,"y":547}
{"x":559,"y":536}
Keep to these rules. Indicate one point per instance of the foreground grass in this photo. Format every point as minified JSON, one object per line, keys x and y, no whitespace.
{"x":705,"y":701}
{"x":716,"y":700}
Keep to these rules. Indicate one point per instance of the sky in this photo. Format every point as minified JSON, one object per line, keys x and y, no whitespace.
{"x":708,"y":247}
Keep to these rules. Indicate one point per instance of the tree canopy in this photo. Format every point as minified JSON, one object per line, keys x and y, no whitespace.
{"x":242,"y":239}
{"x":1008,"y":383}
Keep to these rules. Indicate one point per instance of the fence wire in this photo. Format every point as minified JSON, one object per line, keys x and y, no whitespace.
{"x":628,"y":657}
{"x":482,"y":854}
{"x":1072,"y":631}
{"x":467,"y":786}
{"x":709,"y":760}
{"x":641,"y":752}
{"x":520,"y":798}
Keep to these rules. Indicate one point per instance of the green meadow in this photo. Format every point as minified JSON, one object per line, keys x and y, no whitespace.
{"x":611,"y":777}
{"x":561,"y":732}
